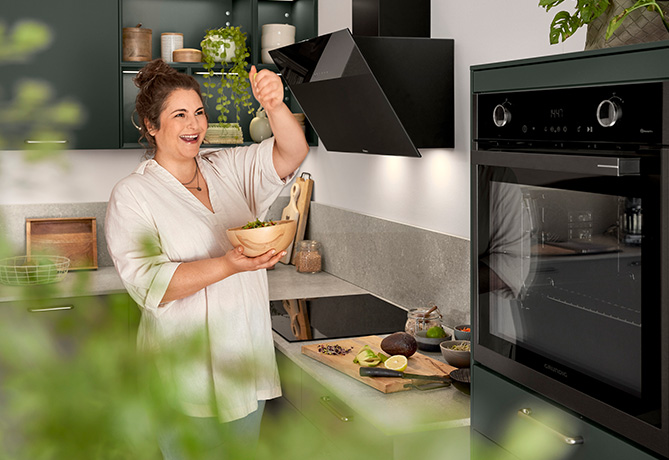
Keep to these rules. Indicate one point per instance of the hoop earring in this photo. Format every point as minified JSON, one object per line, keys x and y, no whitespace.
{"x":132,"y":120}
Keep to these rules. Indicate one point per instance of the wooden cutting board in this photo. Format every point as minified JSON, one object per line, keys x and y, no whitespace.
{"x":418,"y":363}
{"x":306,"y":188}
{"x":74,"y":238}
{"x":291,"y":212}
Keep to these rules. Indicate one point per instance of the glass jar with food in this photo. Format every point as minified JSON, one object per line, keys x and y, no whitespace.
{"x":308,"y":257}
{"x":422,"y":319}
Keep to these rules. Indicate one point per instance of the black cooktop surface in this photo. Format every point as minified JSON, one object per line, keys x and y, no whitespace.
{"x":335,"y":317}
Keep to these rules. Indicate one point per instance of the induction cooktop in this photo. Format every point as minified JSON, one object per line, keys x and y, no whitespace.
{"x":335,"y":317}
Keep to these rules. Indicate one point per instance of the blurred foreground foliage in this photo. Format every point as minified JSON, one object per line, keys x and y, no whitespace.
{"x":74,"y":387}
{"x":80,"y":390}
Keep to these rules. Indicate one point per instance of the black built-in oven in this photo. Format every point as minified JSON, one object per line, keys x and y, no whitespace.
{"x":570,"y":190}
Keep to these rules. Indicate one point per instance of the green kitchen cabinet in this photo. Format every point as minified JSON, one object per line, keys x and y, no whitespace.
{"x":80,"y":65}
{"x":68,"y":324}
{"x":333,"y":426}
{"x":333,"y":429}
{"x":632,"y":63}
{"x":510,"y":422}
{"x":193,"y":19}
{"x":63,"y":360}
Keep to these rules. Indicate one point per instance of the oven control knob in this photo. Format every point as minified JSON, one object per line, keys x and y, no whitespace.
{"x":609,"y":112}
{"x":501,"y":115}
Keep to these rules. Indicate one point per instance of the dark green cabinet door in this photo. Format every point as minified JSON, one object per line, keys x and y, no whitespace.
{"x":512,"y":422}
{"x":80,"y":65}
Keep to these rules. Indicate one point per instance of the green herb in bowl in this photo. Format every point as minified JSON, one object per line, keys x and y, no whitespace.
{"x":461,"y":347}
{"x":259,"y":224}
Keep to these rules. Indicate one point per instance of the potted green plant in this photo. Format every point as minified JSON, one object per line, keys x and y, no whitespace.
{"x":226,"y":46}
{"x":606,"y":21}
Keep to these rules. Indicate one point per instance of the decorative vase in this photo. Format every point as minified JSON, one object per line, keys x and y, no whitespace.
{"x":641,"y":26}
{"x":259,"y":127}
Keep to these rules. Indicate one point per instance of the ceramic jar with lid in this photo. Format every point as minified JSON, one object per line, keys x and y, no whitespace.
{"x":418,"y":320}
{"x":169,"y":42}
{"x":136,"y":44}
{"x":308,"y":256}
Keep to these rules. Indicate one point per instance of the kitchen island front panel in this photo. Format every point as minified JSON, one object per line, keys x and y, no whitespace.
{"x":393,"y":413}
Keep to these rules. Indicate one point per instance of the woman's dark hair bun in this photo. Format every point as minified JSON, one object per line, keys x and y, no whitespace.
{"x":150,"y":71}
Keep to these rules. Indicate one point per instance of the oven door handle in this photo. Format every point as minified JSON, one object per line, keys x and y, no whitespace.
{"x":526,"y":413}
{"x":580,"y":164}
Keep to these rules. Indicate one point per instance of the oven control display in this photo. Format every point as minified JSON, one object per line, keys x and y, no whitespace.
{"x":627,"y":114}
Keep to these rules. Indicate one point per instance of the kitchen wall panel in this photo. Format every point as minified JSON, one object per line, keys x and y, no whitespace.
{"x":430,"y":192}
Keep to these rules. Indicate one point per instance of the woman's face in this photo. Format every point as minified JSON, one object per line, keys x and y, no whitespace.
{"x":183,"y":124}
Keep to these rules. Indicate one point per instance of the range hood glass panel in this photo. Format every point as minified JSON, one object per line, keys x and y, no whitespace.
{"x":340,"y":96}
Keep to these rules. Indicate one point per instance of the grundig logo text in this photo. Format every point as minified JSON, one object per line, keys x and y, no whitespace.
{"x":560,"y":372}
{"x":646,"y":131}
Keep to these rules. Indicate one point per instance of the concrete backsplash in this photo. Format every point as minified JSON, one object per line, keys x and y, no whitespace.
{"x":408,"y":266}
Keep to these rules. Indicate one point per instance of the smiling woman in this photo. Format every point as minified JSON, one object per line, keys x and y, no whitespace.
{"x":165,"y":230}
{"x":162,"y":90}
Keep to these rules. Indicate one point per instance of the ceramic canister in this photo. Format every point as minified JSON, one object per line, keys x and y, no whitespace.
{"x":136,"y":44}
{"x":170,"y":41}
{"x":275,"y":36}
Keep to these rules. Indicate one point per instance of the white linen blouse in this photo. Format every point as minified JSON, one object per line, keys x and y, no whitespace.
{"x":154,"y":223}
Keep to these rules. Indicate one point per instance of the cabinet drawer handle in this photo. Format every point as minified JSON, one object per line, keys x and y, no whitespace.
{"x":526,"y":413}
{"x":217,"y":74}
{"x":329,"y":405}
{"x":55,"y":141}
{"x":42,"y":310}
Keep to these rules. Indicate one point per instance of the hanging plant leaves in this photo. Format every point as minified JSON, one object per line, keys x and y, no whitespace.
{"x":234,"y":73}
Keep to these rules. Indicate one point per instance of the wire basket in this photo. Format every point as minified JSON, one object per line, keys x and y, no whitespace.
{"x":27,"y":270}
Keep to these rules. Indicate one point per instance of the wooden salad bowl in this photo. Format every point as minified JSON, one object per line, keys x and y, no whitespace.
{"x":257,"y":241}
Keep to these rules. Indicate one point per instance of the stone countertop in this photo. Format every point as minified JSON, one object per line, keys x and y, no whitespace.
{"x":284,"y":283}
{"x":392,"y":413}
{"x":433,"y":409}
{"x":102,"y":281}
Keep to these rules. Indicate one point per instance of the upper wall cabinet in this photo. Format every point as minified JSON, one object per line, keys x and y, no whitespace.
{"x":193,"y":18}
{"x":80,"y":65}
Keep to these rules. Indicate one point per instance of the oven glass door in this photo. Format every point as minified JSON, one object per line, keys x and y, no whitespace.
{"x":568,"y":271}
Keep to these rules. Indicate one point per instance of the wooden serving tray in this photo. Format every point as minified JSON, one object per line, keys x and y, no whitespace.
{"x":74,"y":238}
{"x":418,"y":363}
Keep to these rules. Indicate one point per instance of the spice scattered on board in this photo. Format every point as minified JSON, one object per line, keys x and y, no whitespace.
{"x":335,"y":349}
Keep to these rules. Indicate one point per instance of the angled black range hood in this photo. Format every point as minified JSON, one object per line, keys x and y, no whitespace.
{"x":379,"y":95}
